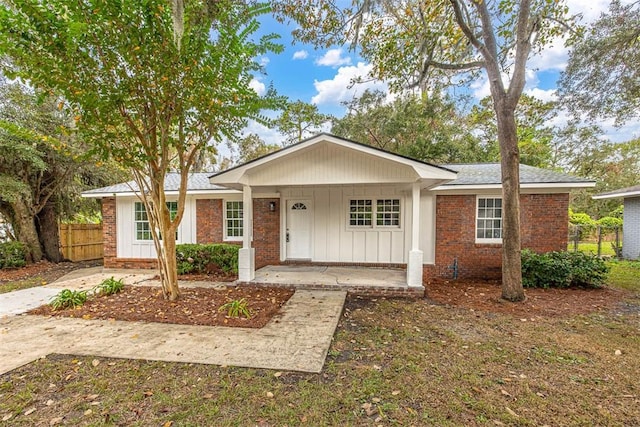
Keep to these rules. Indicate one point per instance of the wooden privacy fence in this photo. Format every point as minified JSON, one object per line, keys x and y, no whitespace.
{"x":81,"y":242}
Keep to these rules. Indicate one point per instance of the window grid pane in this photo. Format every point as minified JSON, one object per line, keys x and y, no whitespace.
{"x":489,"y":219}
{"x":234,"y":219}
{"x":388,"y":212}
{"x":360,"y":213}
{"x":141,"y":220}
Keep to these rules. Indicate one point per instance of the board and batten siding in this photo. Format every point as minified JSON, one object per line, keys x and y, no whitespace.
{"x":129,"y":247}
{"x":334,"y":240}
{"x":327,"y":164}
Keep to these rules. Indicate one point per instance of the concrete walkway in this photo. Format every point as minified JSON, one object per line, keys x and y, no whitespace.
{"x":298,"y":340}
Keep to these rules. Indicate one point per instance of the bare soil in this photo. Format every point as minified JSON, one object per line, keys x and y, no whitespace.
{"x":196,"y":306}
{"x":486,"y":297}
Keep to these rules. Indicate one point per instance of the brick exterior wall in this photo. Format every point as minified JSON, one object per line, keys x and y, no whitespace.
{"x":544,"y":225}
{"x":209,"y":217}
{"x":109,"y":230}
{"x":266,"y":232}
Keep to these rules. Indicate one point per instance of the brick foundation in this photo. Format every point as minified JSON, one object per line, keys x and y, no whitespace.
{"x":544,"y":225}
{"x":369,"y":291}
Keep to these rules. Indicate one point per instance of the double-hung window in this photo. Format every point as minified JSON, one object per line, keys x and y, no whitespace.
{"x":489,"y":220}
{"x":385,"y":211}
{"x":233,"y":220}
{"x":141,"y":220}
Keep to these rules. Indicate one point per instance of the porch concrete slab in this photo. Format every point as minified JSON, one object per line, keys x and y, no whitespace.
{"x":297,"y":340}
{"x":331,"y":276}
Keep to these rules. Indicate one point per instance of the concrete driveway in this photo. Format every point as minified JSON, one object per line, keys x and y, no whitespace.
{"x":298,"y":340}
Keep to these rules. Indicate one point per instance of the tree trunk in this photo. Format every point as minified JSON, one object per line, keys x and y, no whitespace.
{"x":48,"y":232}
{"x":25,"y":229}
{"x":169,"y":268}
{"x":512,"y":289}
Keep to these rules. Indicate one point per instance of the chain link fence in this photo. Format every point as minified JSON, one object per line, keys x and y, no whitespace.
{"x":601,"y":240}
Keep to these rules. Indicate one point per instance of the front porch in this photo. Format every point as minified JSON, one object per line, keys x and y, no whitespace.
{"x":363,"y":281}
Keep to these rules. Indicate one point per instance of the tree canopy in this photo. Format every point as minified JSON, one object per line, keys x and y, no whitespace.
{"x":150,"y":84}
{"x":602,"y":78}
{"x":299,"y":120}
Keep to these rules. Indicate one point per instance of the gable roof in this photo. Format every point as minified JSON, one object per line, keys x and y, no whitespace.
{"x":198,"y":182}
{"x":331,"y":168}
{"x":623,"y":192}
{"x":488,"y":175}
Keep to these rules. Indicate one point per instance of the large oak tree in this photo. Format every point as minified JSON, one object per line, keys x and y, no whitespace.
{"x":413,"y":43}
{"x":150,"y":83}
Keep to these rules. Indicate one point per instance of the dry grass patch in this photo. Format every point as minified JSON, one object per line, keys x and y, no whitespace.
{"x":392,"y":362}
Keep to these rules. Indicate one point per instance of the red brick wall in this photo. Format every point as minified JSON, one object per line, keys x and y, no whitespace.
{"x":543,"y":224}
{"x":109,"y":230}
{"x":266,"y":232}
{"x":209,"y":219}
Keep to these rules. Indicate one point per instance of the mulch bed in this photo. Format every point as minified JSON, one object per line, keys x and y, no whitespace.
{"x":486,"y":297}
{"x":46,"y":270}
{"x":196,"y":306}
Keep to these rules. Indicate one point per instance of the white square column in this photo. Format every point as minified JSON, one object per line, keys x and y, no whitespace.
{"x":247,"y":255}
{"x":414,"y":263}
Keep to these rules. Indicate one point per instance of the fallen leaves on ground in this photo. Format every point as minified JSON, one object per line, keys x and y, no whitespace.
{"x":196,"y":306}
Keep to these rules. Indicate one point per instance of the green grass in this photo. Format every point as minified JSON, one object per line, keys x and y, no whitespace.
{"x":392,"y":363}
{"x":625,"y":275}
{"x":21,"y":284}
{"x":605,"y":247}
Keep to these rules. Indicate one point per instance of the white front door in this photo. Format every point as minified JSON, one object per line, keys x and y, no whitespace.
{"x":298,"y":233}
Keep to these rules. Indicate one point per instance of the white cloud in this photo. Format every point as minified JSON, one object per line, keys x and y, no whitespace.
{"x":333,"y":58}
{"x":257,"y":86}
{"x":542,"y":94}
{"x":264,"y":61}
{"x":301,"y":54}
{"x":337,"y":89}
{"x":268,"y":135}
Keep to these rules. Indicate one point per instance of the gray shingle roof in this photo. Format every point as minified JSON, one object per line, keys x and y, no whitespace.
{"x":628,"y":191}
{"x":197,"y":181}
{"x":489,"y":173}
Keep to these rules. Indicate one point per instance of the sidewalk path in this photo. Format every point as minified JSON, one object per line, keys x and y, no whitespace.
{"x":298,"y":340}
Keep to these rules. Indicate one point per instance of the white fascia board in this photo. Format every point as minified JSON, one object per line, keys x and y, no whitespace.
{"x":168,"y":193}
{"x":616,"y":195}
{"x":239,"y":174}
{"x":551,"y":185}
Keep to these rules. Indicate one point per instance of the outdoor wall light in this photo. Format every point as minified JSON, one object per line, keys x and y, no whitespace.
{"x":272,"y":206}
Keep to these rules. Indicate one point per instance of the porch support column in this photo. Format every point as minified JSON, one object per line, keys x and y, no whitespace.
{"x":414,"y":264}
{"x":247,"y":255}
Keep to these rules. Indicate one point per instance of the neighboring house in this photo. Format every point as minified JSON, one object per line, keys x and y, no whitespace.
{"x":331,"y":201}
{"x":631,"y":218}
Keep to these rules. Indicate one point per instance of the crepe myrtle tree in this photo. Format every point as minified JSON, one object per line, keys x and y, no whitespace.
{"x":414,"y":43}
{"x":150,"y":84}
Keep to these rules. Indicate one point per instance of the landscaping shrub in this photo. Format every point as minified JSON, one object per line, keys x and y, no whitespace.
{"x":68,"y":299}
{"x":13,"y":255}
{"x":206,"y":258}
{"x":562,"y":270}
{"x":109,"y":286}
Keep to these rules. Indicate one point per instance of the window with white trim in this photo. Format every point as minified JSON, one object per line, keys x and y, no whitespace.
{"x":385,"y":211}
{"x":233,"y":220}
{"x":489,"y":220}
{"x":141,"y":220}
{"x":360,"y":213}
{"x":388,"y":212}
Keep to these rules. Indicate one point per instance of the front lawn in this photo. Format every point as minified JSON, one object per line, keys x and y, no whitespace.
{"x":392,"y":362}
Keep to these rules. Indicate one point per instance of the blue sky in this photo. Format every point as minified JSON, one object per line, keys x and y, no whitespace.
{"x":322,"y":76}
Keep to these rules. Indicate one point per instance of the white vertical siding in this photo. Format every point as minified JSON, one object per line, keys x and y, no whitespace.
{"x":129,"y":247}
{"x":335,"y":241}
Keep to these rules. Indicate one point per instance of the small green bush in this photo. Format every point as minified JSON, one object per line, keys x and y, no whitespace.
{"x":205,"y":258}
{"x":562,"y":270}
{"x":68,"y":299}
{"x":236,"y":308}
{"x":109,"y":287}
{"x":13,"y":255}
{"x":610,"y":222}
